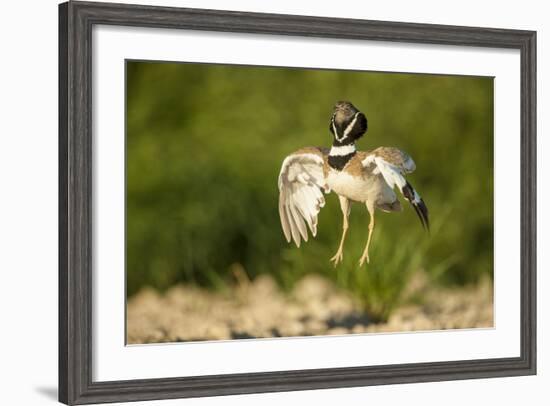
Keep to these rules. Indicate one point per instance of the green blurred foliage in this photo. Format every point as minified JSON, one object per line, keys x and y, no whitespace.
{"x":204,"y":148}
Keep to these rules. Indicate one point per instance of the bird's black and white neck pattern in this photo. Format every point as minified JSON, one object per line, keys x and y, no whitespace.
{"x":347,"y":125}
{"x":340,"y":154}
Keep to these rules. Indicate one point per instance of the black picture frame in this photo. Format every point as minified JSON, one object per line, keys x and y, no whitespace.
{"x":76,"y":20}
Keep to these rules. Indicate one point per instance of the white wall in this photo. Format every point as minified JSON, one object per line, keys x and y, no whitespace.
{"x":28,"y":201}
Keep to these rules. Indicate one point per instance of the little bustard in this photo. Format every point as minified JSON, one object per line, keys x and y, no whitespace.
{"x":367,"y":177}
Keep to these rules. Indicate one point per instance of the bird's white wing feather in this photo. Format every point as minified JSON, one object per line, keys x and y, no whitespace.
{"x":301,"y":182}
{"x":392,"y":174}
{"x":393,"y":164}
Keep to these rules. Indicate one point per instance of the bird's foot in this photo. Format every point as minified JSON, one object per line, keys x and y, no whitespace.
{"x":336,"y":259}
{"x":364,"y":257}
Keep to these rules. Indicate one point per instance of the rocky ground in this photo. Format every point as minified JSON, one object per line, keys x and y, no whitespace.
{"x":314,"y":307}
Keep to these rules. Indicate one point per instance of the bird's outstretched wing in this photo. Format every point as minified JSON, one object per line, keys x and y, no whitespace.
{"x":301,"y":186}
{"x":393,"y":165}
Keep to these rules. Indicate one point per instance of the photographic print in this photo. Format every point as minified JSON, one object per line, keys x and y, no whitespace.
{"x":251,"y":185}
{"x":266,"y":202}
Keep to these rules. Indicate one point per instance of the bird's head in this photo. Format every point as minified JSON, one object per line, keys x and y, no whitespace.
{"x":347,"y":123}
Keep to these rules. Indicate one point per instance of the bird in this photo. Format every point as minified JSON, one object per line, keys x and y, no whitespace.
{"x":366,"y":177}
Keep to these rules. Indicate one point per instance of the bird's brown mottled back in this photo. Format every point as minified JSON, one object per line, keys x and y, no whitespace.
{"x":393,"y":155}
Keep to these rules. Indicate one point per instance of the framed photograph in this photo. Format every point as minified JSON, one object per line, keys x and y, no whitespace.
{"x":259,"y":202}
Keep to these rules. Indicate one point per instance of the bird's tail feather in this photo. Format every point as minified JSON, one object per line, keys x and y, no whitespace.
{"x":418,"y":204}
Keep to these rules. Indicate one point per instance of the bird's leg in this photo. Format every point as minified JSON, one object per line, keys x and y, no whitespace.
{"x":365,"y":255}
{"x":345,"y":206}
